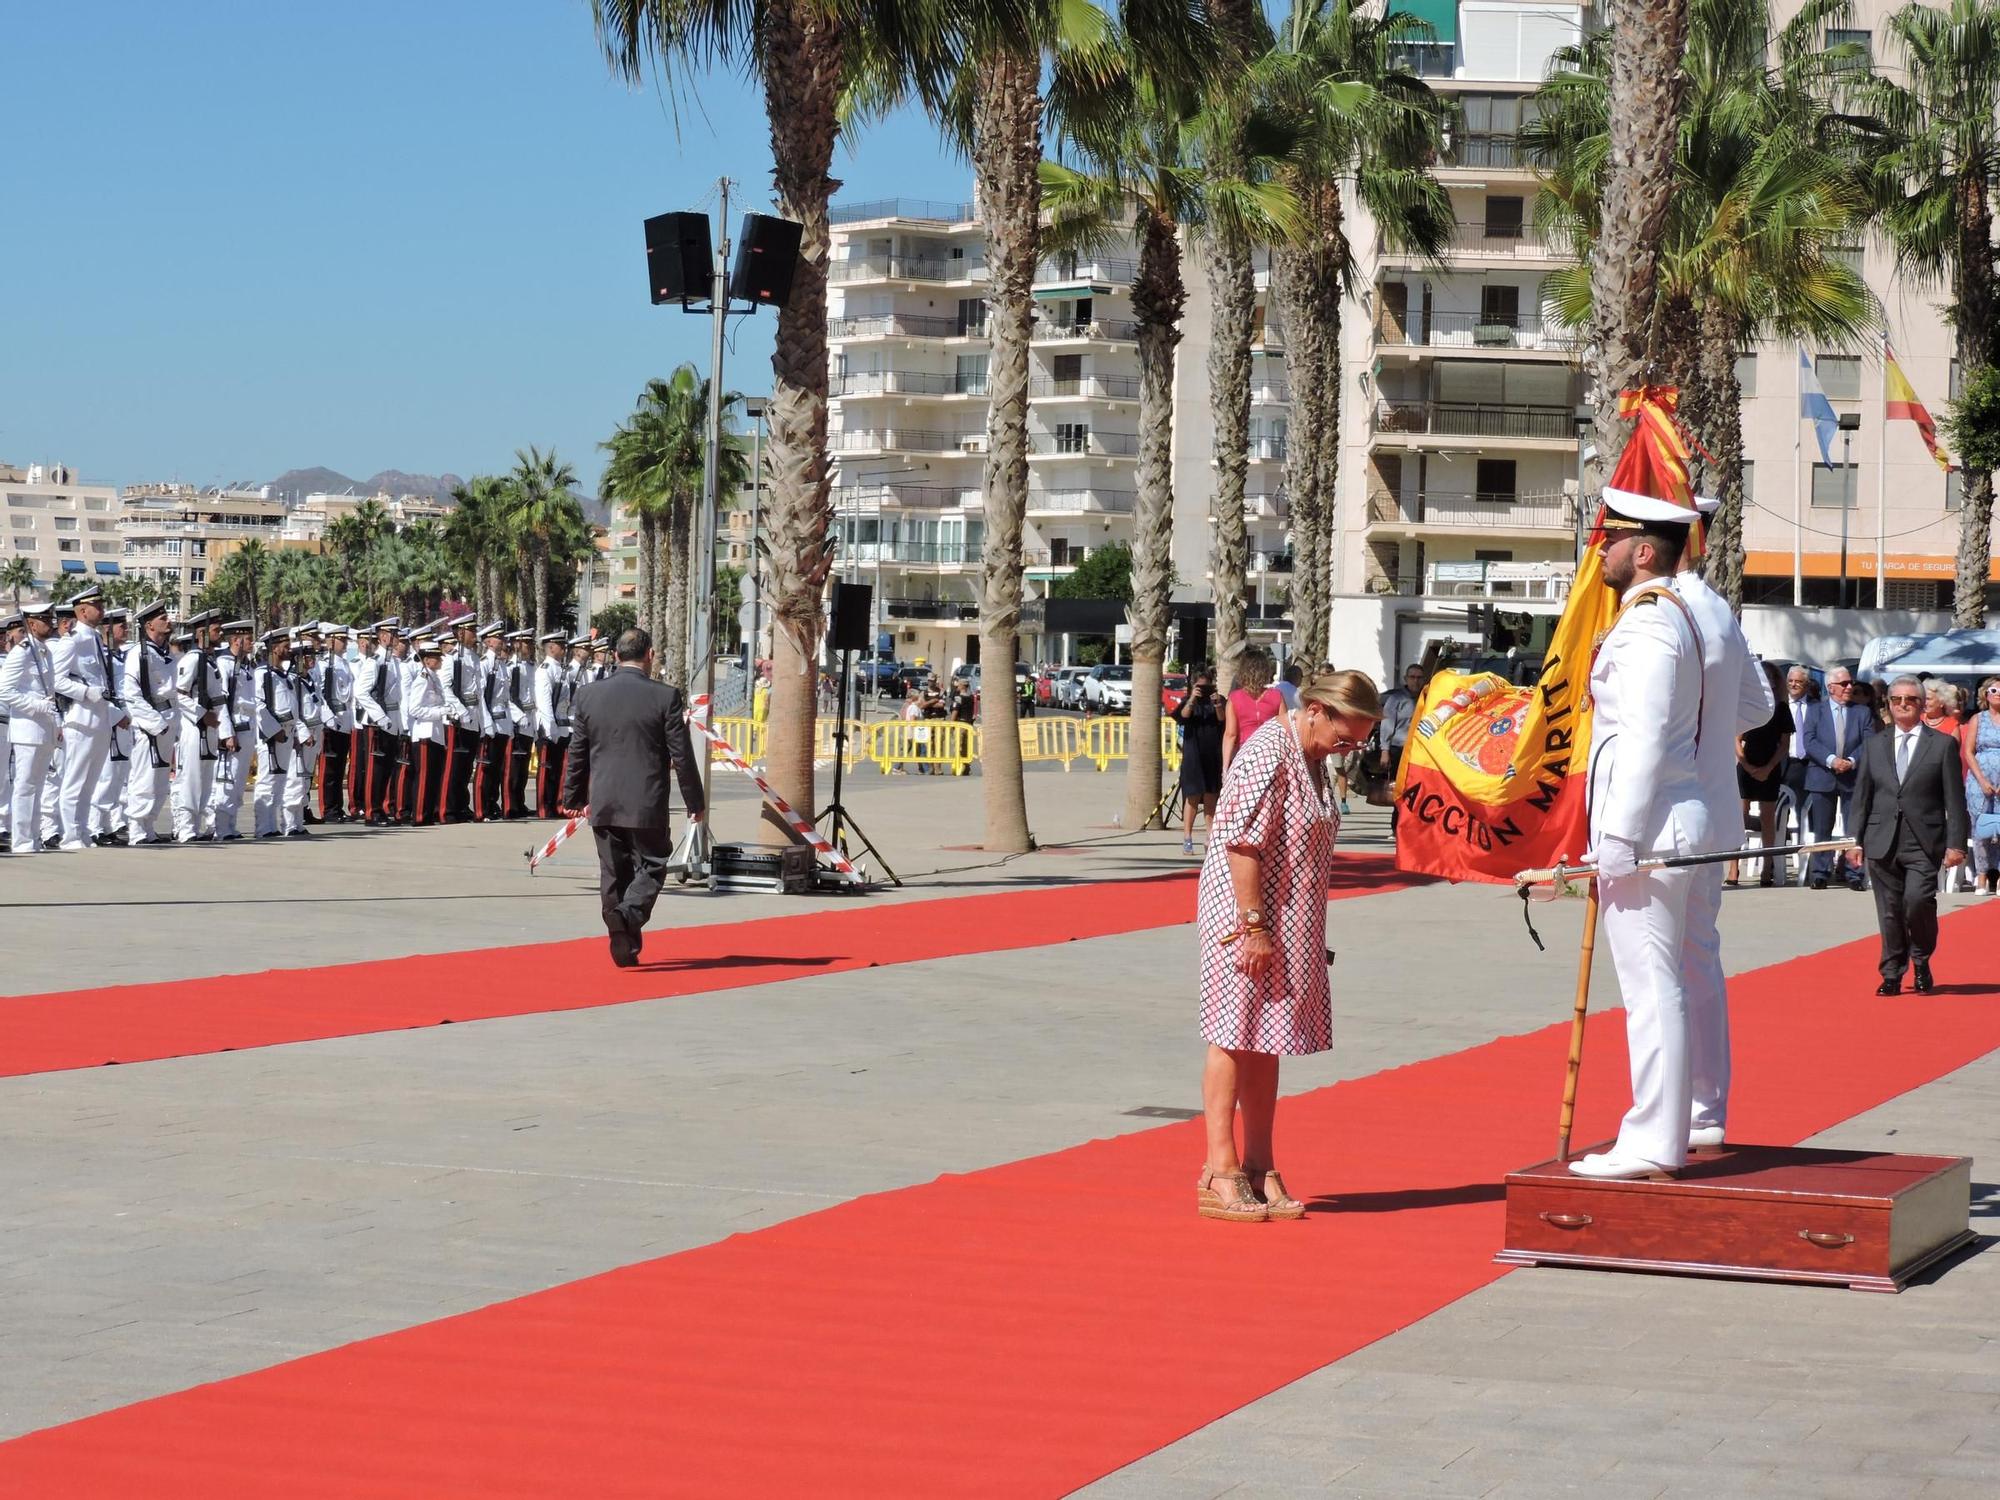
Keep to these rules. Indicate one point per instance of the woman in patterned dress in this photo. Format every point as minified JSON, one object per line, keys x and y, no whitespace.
{"x":1262,"y":928}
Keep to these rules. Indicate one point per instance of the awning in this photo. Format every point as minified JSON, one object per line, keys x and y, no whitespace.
{"x":1072,"y":289}
{"x":1442,"y":14}
{"x":108,"y":569}
{"x":74,"y":565}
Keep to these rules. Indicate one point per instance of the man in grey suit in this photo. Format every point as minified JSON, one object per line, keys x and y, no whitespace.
{"x":1909,"y":814}
{"x":624,"y":731}
{"x":1834,"y":736}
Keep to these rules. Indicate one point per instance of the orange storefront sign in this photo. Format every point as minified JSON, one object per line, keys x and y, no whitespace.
{"x":1860,"y":564}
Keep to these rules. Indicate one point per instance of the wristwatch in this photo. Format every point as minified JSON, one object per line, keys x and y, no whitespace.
{"x":1253,"y":920}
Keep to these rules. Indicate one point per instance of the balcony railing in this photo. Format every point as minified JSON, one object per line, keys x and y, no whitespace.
{"x":1270,"y":392}
{"x":927,"y":210}
{"x":1484,"y":151}
{"x":1268,"y":449}
{"x":905,"y":325}
{"x":1098,"y":330}
{"x":1118,"y":272}
{"x":906,"y":497}
{"x":1106,"y":502}
{"x":1474,"y":419}
{"x":1450,"y":330}
{"x":903,"y":268}
{"x":1085,"y":445}
{"x":1102,"y":387}
{"x":1499,"y":580}
{"x":1549,"y":510}
{"x":1503,"y":241}
{"x":934,"y":553}
{"x":904,"y":440}
{"x":905,"y":383}
{"x":932,"y":609}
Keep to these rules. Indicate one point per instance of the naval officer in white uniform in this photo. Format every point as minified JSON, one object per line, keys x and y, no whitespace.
{"x":1646,"y":800}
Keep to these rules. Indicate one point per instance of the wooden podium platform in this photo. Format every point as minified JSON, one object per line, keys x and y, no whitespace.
{"x":1775,"y":1213}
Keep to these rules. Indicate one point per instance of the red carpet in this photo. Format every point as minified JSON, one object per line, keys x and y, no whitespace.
{"x":180,"y":1018}
{"x":1018,"y":1331}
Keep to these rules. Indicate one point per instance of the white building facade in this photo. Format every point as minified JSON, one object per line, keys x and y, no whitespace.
{"x":61,"y":526}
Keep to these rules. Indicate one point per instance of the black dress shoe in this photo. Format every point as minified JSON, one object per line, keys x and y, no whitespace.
{"x":1889,"y":987}
{"x":1819,"y":882}
{"x":1922,"y":974}
{"x":51,"y":846}
{"x":624,"y":952}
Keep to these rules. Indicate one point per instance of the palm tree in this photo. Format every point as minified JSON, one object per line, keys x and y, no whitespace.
{"x":1937,"y":130}
{"x":1359,"y":121}
{"x":542,"y":504}
{"x":17,"y":574}
{"x":251,"y":563}
{"x":474,"y":540}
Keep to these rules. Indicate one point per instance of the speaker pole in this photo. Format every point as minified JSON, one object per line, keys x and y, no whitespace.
{"x":701,"y":616}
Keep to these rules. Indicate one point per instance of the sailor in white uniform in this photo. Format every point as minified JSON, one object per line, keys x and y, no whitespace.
{"x":554,"y":690}
{"x":10,"y":633}
{"x":1646,"y":801}
{"x":311,"y":710}
{"x":201,"y":707}
{"x":84,"y":676}
{"x":277,"y":733}
{"x":238,"y":666}
{"x":28,"y":691}
{"x":1736,"y":698}
{"x":107,"y":800}
{"x":149,"y":698}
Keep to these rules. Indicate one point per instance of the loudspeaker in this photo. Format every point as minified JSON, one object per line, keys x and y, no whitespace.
{"x":1194,"y":641}
{"x":767,"y":253}
{"x":680,"y":258}
{"x":849,"y":628}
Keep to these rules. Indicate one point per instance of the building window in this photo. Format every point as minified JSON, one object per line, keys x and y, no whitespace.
{"x":103,"y":546}
{"x":969,"y":378}
{"x":1500,"y":306}
{"x":1954,"y":489}
{"x":64,"y":523}
{"x":1847,"y":36}
{"x":1833,"y":488}
{"x":24,"y":544}
{"x":1746,"y":372}
{"x":68,"y":544}
{"x":1749,"y":481}
{"x":22,"y":523}
{"x":1496,"y":479}
{"x":1492,"y":554}
{"x":198,"y":576}
{"x":1915,"y":593}
{"x":1839,"y":376}
{"x":1952,"y":382}
{"x":1072,"y":437}
{"x":1504,"y":217}
{"x":971,"y":316}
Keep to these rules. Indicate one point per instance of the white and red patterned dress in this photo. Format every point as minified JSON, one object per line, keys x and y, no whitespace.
{"x":1271,"y":807}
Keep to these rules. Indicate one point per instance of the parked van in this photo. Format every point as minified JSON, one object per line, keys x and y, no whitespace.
{"x":1963,"y":658}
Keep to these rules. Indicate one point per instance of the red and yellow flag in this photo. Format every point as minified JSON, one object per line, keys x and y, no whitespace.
{"x":1900,"y":404}
{"x":1494,"y":776}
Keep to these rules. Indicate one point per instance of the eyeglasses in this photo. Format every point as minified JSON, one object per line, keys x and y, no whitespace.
{"x":1904,"y":698}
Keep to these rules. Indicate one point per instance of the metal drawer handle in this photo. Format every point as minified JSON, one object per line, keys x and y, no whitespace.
{"x":1825,"y":1238}
{"x":1566,"y":1221}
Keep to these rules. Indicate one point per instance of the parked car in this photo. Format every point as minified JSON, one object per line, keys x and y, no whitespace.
{"x":1173,"y":689}
{"x":874,"y":674}
{"x":1067,"y":689}
{"x":909,"y":680}
{"x":1108,"y":689}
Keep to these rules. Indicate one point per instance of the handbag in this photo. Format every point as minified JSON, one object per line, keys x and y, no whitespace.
{"x":1986,"y":826}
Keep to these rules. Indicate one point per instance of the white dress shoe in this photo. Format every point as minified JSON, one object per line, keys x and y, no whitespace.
{"x":1701,"y":1137}
{"x":1611,"y":1167}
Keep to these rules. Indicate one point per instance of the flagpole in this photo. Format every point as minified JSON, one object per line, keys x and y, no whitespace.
{"x":1882,"y":485}
{"x":1798,"y":461}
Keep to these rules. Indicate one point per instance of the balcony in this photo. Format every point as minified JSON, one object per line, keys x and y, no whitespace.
{"x":1270,"y":392}
{"x":1268,"y":450}
{"x":1537,"y":512}
{"x":1472,"y":331}
{"x":1269,"y":505}
{"x":919,"y":210}
{"x":1085,"y":387}
{"x":911,"y":268}
{"x":904,"y":326}
{"x":1515,"y":242}
{"x":904,"y":440}
{"x":1083,"y":445}
{"x":1499,"y":580}
{"x":1086,"y":331}
{"x":1475,"y":419}
{"x":933,"y":554}
{"x":906,"y":497}
{"x":1069,"y":270}
{"x":1483,"y":152}
{"x":932,"y":609}
{"x":1082,"y":502}
{"x":905,"y":383}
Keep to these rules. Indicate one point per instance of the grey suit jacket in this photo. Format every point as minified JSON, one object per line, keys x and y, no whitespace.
{"x":625,"y":729}
{"x":1931,"y":799}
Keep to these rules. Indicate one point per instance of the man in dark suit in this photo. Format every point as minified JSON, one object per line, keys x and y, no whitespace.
{"x":1909,"y":813}
{"x":625,"y":729}
{"x":1835,"y":734}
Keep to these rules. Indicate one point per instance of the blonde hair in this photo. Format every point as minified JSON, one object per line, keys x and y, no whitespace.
{"x":1345,"y":695}
{"x":1253,"y":671}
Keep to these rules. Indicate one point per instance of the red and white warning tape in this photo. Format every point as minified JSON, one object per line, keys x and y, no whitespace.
{"x":561,"y":836}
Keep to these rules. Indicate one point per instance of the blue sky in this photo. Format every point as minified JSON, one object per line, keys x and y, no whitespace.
{"x":243,"y":238}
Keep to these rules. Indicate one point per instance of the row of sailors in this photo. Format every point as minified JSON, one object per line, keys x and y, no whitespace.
{"x":102,"y":731}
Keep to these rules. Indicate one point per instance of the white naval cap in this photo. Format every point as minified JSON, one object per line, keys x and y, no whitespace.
{"x":1708,"y":505}
{"x":1625,"y":510}
{"x":492,"y":628}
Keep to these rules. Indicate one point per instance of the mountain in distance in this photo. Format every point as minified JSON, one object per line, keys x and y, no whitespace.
{"x":294,"y":485}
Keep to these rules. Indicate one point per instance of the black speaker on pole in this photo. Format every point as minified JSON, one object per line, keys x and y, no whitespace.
{"x":1194,"y":641}
{"x":767,"y":254}
{"x":680,"y":258}
{"x":849,"y":630}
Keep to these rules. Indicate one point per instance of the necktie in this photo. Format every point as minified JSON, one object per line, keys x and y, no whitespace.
{"x":1840,"y":732}
{"x":1905,"y":743}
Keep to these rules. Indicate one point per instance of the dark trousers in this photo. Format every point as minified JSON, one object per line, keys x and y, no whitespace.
{"x":631,"y":865}
{"x":377,"y":781}
{"x":490,"y":784}
{"x":454,"y":796}
{"x":429,"y":766}
{"x":548,"y":781}
{"x":1906,"y":887}
{"x":333,"y":773}
{"x":1819,"y":807}
{"x":520,"y":750}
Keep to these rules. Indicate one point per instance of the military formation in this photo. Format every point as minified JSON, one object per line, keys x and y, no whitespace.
{"x":123,"y":730}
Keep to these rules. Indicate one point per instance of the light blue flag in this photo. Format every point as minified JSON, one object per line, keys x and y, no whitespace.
{"x":1816,"y":409}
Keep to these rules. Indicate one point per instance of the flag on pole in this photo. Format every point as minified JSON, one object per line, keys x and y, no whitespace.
{"x":1900,"y":404}
{"x":1816,"y":409}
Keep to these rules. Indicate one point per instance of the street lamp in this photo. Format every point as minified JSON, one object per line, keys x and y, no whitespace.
{"x":754,"y":407}
{"x":1850,"y":423}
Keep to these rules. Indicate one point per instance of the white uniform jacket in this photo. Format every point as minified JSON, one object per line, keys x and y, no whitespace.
{"x":460,"y":675}
{"x":428,"y":704}
{"x":239,"y":680}
{"x":494,"y":716}
{"x":367,"y":680}
{"x":553,"y":692}
{"x":521,"y":696}
{"x":84,"y":676}
{"x":199,"y":692}
{"x":277,"y":710}
{"x":1736,"y":700}
{"x":336,"y":691}
{"x":28,"y":688}
{"x":1645,"y":787}
{"x":310,"y":707}
{"x":149,"y":696}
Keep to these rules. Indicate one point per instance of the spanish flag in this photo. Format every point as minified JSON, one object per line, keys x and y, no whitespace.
{"x":1494,"y":776}
{"x":1900,"y":404}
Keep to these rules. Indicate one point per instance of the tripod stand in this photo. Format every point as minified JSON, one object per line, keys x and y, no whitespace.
{"x":835,"y":814}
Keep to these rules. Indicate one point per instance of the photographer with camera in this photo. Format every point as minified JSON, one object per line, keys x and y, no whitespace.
{"x":1201,"y":720}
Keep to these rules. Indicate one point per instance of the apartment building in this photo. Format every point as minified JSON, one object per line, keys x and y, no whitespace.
{"x":59,"y":525}
{"x":178,"y":534}
{"x":307,"y":521}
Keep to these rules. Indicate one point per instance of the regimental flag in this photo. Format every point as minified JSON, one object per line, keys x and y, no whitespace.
{"x":1494,"y":776}
{"x":1900,"y":404}
{"x":1816,"y":409}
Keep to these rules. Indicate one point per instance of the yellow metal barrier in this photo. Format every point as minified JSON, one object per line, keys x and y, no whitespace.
{"x":857,"y":741}
{"x":1106,"y":740}
{"x":1049,"y":739}
{"x":745,"y":737}
{"x":921,"y":742}
{"x":1170,"y":742}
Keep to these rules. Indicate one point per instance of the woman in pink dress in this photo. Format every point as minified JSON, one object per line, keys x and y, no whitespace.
{"x":1252,"y":703}
{"x":1261,"y":921}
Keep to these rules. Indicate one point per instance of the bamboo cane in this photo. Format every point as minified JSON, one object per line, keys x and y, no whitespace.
{"x":1575,"y":1067}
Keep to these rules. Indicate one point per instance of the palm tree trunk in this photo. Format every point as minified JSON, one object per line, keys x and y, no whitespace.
{"x":647,"y":604}
{"x":541,"y":570}
{"x":1158,"y":294}
{"x":1647,"y":40}
{"x":803,"y":55}
{"x":524,"y":588}
{"x":1006,"y":158}
{"x":673,"y":641}
{"x":1232,"y":287}
{"x":1975,"y":315}
{"x":1723,"y":436}
{"x":665,"y":571}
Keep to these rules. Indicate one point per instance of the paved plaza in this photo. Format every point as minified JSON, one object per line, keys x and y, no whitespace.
{"x":168,"y":1223}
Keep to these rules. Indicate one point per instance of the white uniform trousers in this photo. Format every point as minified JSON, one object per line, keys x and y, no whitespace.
{"x":52,"y":793}
{"x":194,"y":782}
{"x":271,"y":814}
{"x":1707,"y":994}
{"x":299,"y":785}
{"x":84,"y":752}
{"x":145,"y":789}
{"x":1644,"y":917}
{"x":232,"y":774}
{"x":29,"y":786}
{"x":107,"y":813}
{"x":6,"y":784}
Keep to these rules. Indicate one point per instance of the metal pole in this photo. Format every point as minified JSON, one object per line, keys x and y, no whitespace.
{"x":703,"y":617}
{"x":1846,"y":504}
{"x":756,"y":509}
